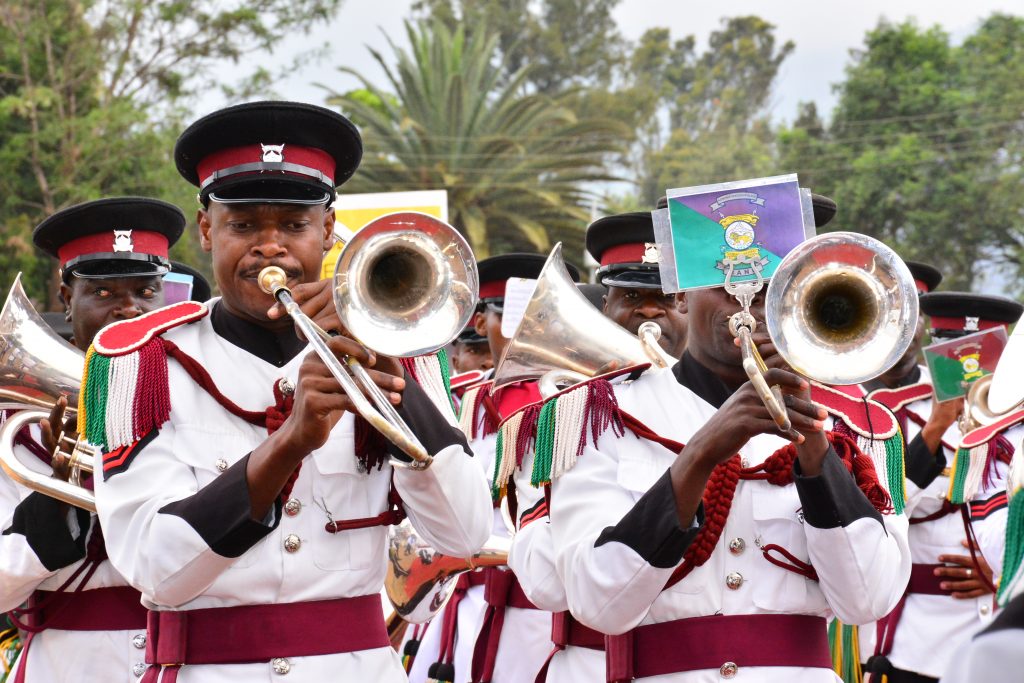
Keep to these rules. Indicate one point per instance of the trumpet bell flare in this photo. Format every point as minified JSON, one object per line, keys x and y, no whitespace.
{"x":841,"y":308}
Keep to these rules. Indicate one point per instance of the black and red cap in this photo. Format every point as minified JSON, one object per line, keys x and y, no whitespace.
{"x":625,"y":247}
{"x":954,"y":314}
{"x":269,"y":153}
{"x":496,"y":271}
{"x":926,"y":277}
{"x":114,"y":237}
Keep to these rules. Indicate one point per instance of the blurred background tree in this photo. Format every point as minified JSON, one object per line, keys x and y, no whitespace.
{"x":535,"y":115}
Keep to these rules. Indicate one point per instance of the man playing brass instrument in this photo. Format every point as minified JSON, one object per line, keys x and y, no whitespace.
{"x":85,"y":622}
{"x":704,"y":543}
{"x":245,"y":493}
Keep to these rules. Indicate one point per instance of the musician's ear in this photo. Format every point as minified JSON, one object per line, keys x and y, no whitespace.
{"x":328,"y":227}
{"x":681,"y":302}
{"x":203,"y":221}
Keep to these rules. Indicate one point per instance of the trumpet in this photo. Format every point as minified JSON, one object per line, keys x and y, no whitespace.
{"x":841,"y":309}
{"x":37,"y":367}
{"x":405,"y":285}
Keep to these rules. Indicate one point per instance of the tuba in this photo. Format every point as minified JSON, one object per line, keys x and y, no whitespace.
{"x":563,"y":339}
{"x":37,"y":367}
{"x":994,"y":396}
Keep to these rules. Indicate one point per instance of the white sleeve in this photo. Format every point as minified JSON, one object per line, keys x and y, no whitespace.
{"x":614,"y":548}
{"x":532,"y":556}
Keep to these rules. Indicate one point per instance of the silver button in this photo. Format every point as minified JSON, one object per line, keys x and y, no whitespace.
{"x":139,"y":641}
{"x":734,"y":580}
{"x":737,"y":546}
{"x":285,"y":386}
{"x":221,"y":464}
{"x":281,"y":665}
{"x":139,"y":669}
{"x":984,"y":609}
{"x":292,"y":507}
{"x":728,"y":670}
{"x":292,"y":543}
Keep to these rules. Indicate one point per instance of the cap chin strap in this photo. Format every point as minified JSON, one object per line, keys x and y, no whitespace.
{"x":265,"y":200}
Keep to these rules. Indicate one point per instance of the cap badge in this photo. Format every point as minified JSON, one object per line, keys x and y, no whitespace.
{"x":123,"y":241}
{"x":652,"y":253}
{"x":272,"y":152}
{"x":970,"y":324}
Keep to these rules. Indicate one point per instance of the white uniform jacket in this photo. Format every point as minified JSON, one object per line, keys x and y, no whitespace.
{"x":532,"y":558}
{"x":617,"y":539}
{"x":177,"y":515}
{"x":526,"y":634}
{"x":42,"y":546}
{"x":931,"y":626}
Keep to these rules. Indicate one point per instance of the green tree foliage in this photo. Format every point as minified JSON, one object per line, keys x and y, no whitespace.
{"x":569,"y":43}
{"x":92,"y":95}
{"x":924,"y":147}
{"x":716,"y":104}
{"x":514,"y":163}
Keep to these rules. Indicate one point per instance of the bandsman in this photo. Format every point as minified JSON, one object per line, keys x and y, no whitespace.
{"x":83,"y":620}
{"x":237,"y":488}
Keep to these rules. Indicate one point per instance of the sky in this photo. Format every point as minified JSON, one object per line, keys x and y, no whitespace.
{"x":824,"y":32}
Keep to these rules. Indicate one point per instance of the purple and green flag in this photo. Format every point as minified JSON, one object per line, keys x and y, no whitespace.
{"x":955,"y":364}
{"x":753,"y":221}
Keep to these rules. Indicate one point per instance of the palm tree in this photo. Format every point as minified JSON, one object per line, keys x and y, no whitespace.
{"x":515,"y":164}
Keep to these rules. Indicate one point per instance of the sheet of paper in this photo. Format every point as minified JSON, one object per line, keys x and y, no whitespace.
{"x":518,"y":291}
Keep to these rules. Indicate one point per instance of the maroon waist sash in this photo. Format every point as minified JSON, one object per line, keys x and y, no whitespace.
{"x":719,"y":642}
{"x":118,"y":608}
{"x":924,"y":582}
{"x":565,"y":630}
{"x":501,"y":590}
{"x":260,"y":633}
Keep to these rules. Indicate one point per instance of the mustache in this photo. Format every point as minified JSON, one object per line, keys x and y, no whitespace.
{"x":252,"y":271}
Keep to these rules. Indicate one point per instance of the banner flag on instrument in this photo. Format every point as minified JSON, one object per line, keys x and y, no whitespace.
{"x":753,"y":222}
{"x":956,"y":363}
{"x":353,"y":211}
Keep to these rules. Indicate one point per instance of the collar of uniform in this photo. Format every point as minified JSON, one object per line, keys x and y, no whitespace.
{"x":700,"y":380}
{"x":274,"y":347}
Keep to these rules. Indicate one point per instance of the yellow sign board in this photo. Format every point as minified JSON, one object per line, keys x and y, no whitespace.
{"x":353,"y":211}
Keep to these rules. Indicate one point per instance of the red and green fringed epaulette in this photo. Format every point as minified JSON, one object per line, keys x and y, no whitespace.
{"x":558,"y":429}
{"x":431,"y":373}
{"x":1012,"y":582}
{"x":976,"y":455}
{"x":516,"y":436}
{"x":125,"y":391}
{"x":471,"y":421}
{"x":875,"y":429}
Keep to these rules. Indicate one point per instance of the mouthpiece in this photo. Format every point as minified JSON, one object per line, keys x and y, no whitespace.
{"x":271,"y":279}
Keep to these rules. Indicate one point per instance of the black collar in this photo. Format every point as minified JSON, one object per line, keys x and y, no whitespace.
{"x":274,"y":347}
{"x":701,"y":381}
